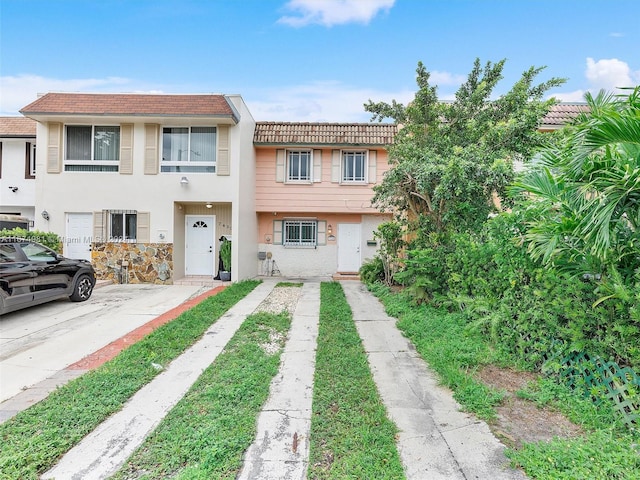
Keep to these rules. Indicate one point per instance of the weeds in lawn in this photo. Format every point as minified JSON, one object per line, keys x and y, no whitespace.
{"x":351,"y":436}
{"x":33,"y":440}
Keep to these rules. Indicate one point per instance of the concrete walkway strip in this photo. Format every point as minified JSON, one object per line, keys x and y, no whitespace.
{"x":101,"y":453}
{"x":436,"y":440}
{"x":281,"y":448}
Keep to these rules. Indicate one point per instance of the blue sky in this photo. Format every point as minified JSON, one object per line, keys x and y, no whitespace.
{"x":309,"y":60}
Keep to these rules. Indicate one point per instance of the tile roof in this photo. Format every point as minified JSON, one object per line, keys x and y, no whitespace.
{"x":17,"y":127}
{"x":130,"y":104}
{"x":294,"y":133}
{"x":563,"y":113}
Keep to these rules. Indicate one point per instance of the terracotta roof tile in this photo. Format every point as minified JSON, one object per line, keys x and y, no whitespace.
{"x":17,"y":127}
{"x":563,"y":113}
{"x":129,"y":104}
{"x":292,"y":133}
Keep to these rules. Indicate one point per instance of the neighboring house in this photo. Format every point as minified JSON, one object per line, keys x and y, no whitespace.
{"x":561,"y":114}
{"x":313,"y":195}
{"x":17,"y":167}
{"x":144,"y":185}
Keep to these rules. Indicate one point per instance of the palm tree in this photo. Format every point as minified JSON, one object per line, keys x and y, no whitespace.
{"x":590,"y":188}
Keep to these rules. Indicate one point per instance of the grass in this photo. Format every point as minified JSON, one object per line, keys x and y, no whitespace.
{"x":206,"y":433}
{"x":33,"y":440}
{"x":351,"y":437}
{"x":608,"y":450}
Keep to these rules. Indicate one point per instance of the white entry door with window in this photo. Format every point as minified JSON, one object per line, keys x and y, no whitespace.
{"x":200,"y":244}
{"x":349,"y":259}
{"x":77,"y":242}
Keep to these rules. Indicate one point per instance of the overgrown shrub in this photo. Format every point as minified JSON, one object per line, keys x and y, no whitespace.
{"x":47,"y":239}
{"x":526,"y":309}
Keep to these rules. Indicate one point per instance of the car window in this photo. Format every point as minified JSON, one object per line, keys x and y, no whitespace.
{"x":37,"y":253}
{"x":8,"y":253}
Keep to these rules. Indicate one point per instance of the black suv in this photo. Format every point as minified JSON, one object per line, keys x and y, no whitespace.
{"x":31,"y":274}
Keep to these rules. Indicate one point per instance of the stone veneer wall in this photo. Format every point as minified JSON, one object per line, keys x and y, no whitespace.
{"x":147,"y":262}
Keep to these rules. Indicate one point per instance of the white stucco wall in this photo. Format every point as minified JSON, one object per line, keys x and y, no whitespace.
{"x":22,"y":201}
{"x":299,"y":262}
{"x":245,"y":227}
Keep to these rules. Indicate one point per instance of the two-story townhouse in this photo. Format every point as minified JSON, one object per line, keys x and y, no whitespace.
{"x":17,"y":167}
{"x":314,"y":186}
{"x":144,"y":184}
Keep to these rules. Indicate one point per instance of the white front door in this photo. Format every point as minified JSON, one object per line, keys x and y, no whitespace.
{"x":77,"y":242}
{"x":199,"y":250}
{"x":348,"y":247}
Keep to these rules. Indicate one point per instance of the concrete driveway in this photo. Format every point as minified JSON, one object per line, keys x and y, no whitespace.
{"x":39,"y":342}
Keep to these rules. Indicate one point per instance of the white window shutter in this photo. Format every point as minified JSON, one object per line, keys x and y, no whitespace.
{"x":322,"y":232}
{"x":151,"y":153}
{"x":54,"y":147}
{"x":126,"y":149}
{"x":317,"y":166}
{"x":142,"y":233}
{"x":99,"y":235}
{"x":277,"y":232}
{"x":280,"y":154}
{"x":335,"y":166}
{"x":223,"y":162}
{"x":373,"y":166}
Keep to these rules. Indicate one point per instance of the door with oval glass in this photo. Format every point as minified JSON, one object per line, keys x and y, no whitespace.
{"x":200,"y":244}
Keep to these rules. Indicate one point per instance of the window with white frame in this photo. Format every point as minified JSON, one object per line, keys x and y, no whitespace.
{"x":301,"y":233}
{"x":354,"y":166}
{"x":189,"y":149}
{"x":123,"y":225}
{"x":299,"y":166}
{"x":92,"y":148}
{"x":30,"y":161}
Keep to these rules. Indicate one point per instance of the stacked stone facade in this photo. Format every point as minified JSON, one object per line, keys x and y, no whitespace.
{"x":133,"y":262}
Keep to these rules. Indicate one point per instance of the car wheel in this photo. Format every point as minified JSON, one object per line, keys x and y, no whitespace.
{"x":82,"y":289}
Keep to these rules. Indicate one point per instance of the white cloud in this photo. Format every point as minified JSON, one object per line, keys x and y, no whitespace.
{"x":607,"y":74}
{"x":610,"y":74}
{"x":20,"y":90}
{"x":318,"y":102}
{"x":446,"y":78}
{"x":575,"y":96}
{"x":333,"y":12}
{"x":616,"y":34}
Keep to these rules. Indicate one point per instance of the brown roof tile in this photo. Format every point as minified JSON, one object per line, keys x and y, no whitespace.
{"x":293,"y":133}
{"x":17,"y":127}
{"x":129,"y":104}
{"x":563,"y":113}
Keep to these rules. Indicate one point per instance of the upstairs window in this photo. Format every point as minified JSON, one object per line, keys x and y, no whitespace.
{"x":299,"y":166}
{"x":189,"y":149}
{"x":92,"y":148}
{"x":301,"y":233}
{"x":354,"y":166}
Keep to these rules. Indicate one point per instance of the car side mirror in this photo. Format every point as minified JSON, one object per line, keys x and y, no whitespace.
{"x":59,"y":257}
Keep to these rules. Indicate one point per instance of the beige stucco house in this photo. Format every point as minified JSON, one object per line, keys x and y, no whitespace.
{"x":145,"y":185}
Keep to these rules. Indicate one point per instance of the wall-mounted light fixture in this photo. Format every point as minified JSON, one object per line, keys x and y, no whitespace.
{"x":45,"y":214}
{"x":184,"y":181}
{"x":330,"y":229}
{"x":13,"y":189}
{"x":209,"y":205}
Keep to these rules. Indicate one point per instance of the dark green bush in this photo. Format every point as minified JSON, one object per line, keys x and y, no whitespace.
{"x":47,"y":239}
{"x":527,"y":310}
{"x":372,"y":270}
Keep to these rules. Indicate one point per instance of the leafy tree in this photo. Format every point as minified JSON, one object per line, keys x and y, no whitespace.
{"x":590,"y":188}
{"x":449,"y":159}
